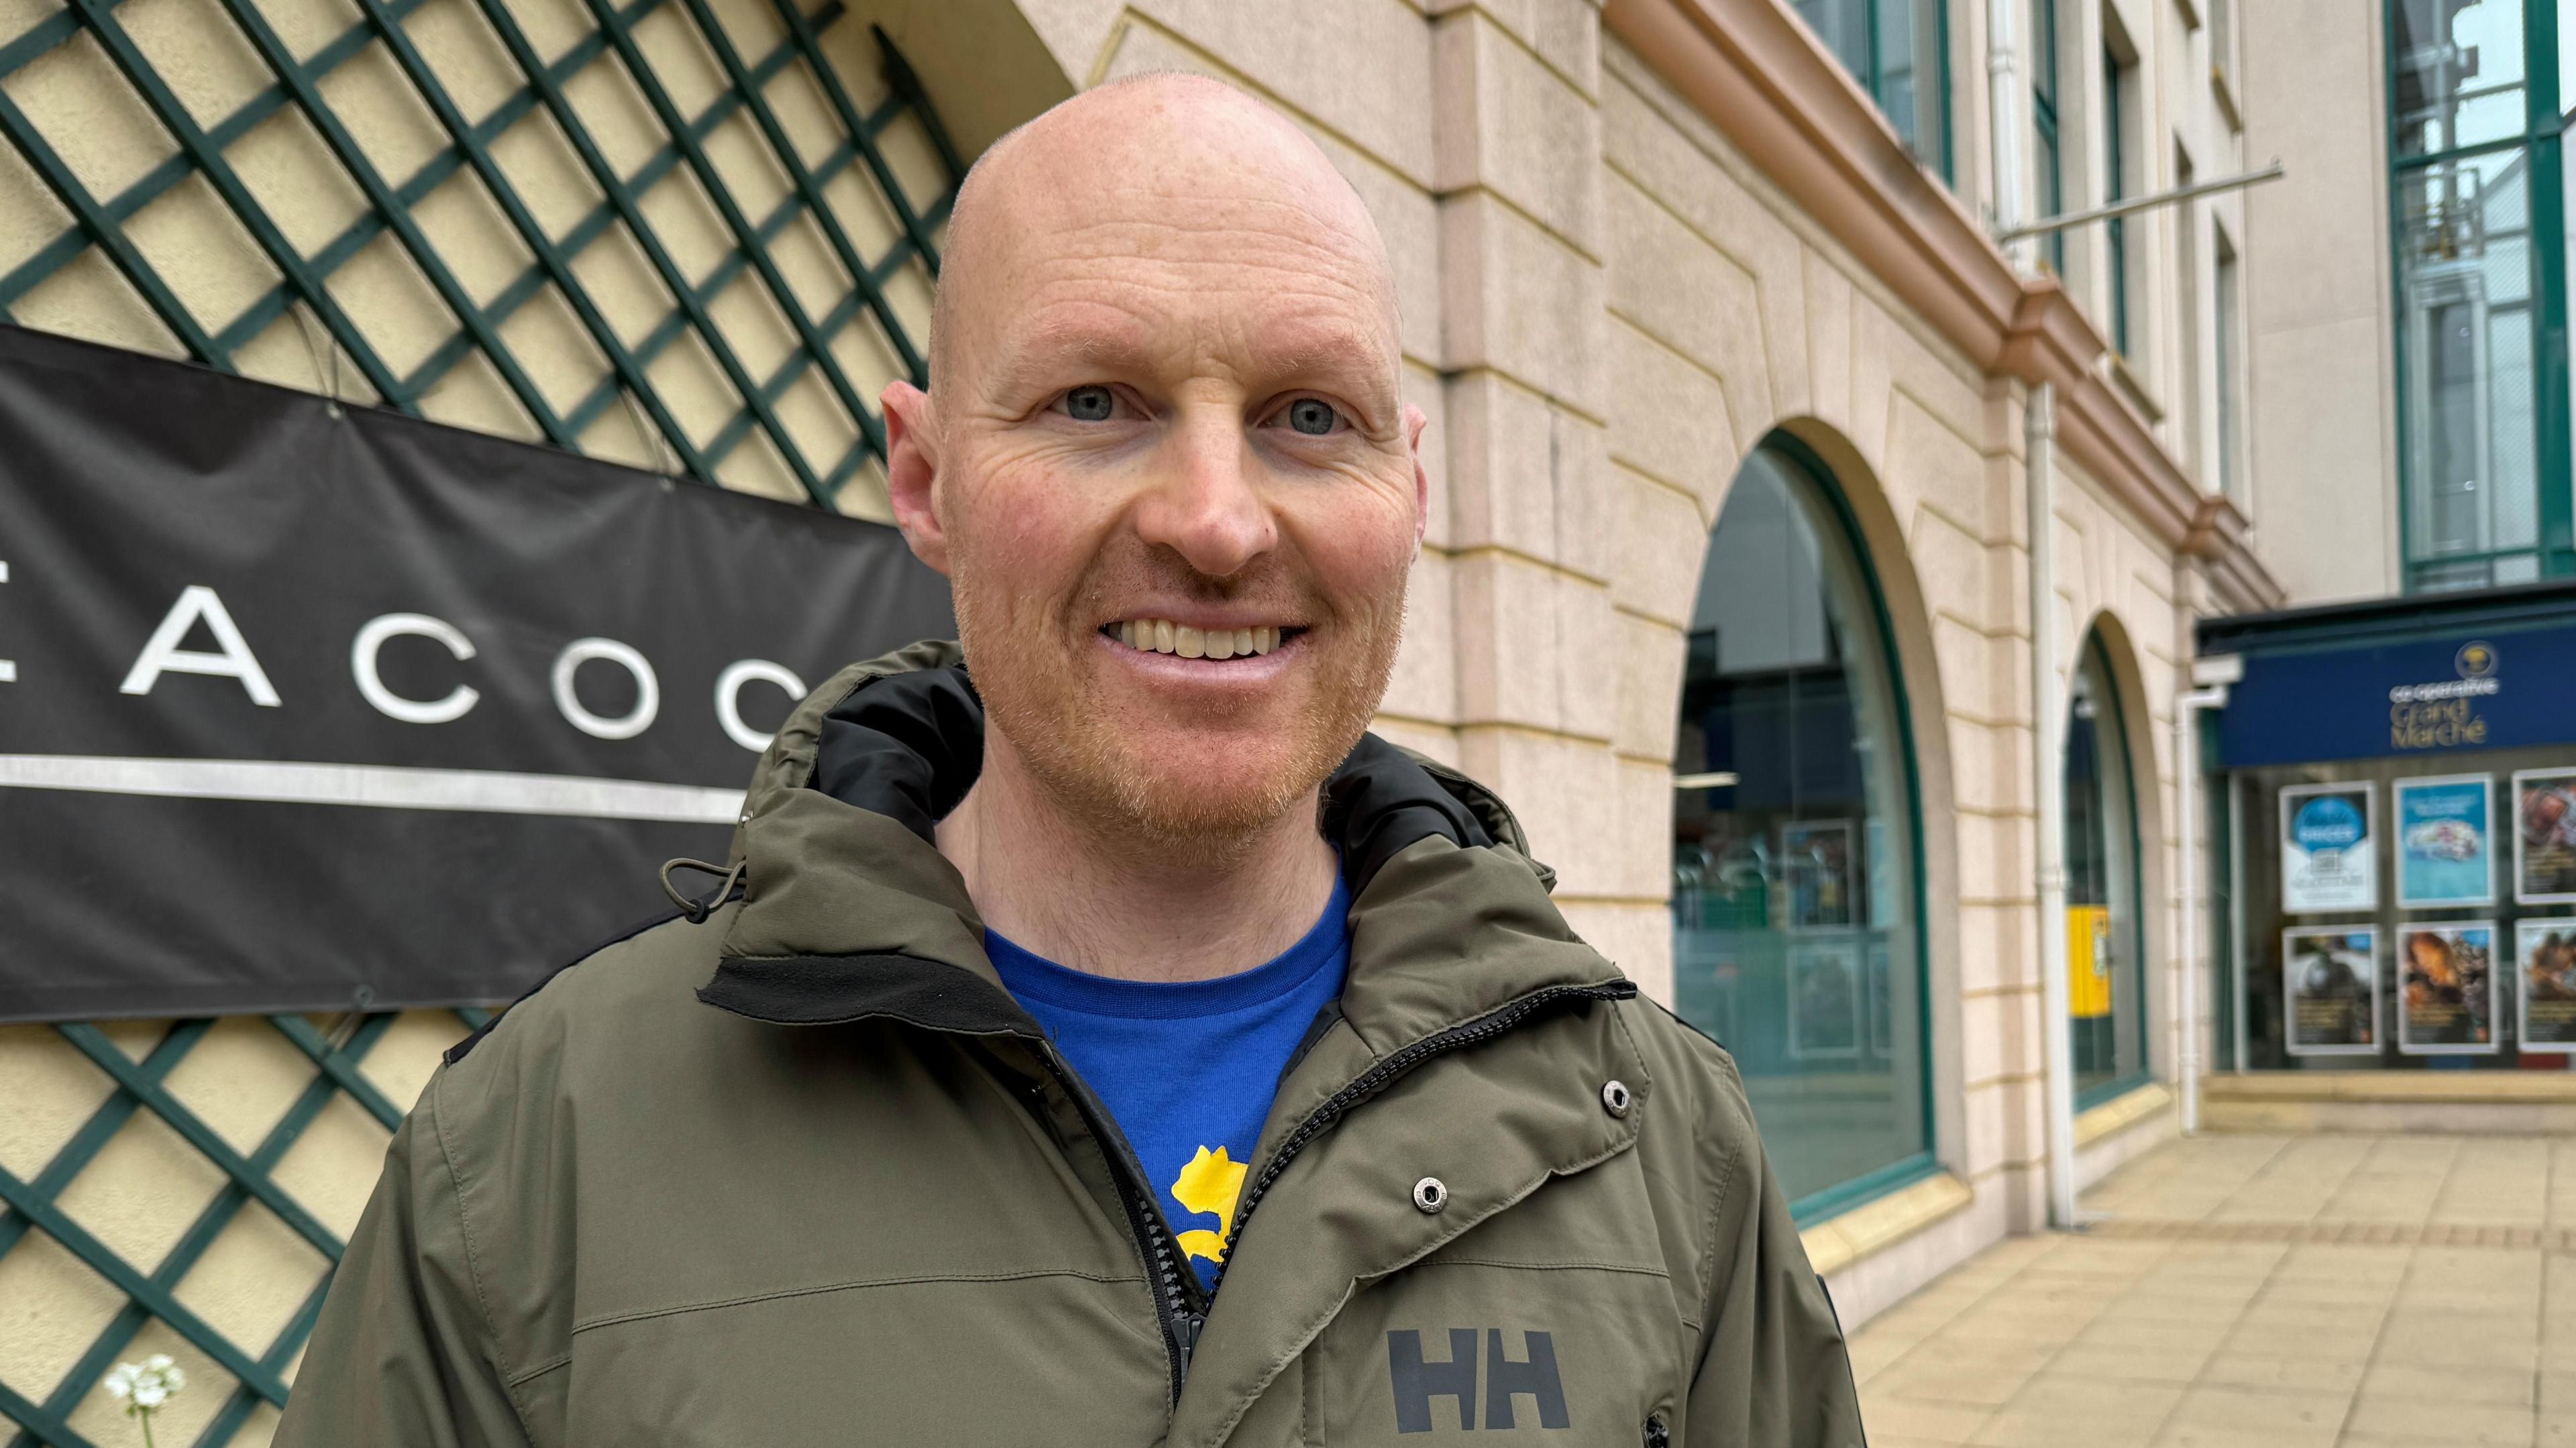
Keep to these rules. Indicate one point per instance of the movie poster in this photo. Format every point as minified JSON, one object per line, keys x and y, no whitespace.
{"x":1818,"y":859}
{"x":2330,"y":981}
{"x":2443,"y":856}
{"x":2446,"y":989}
{"x":2547,"y":989}
{"x":1825,"y":998}
{"x":2544,"y":836}
{"x":2329,"y":857}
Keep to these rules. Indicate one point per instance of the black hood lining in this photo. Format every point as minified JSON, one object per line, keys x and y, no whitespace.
{"x":908,"y":746}
{"x":831,"y":990}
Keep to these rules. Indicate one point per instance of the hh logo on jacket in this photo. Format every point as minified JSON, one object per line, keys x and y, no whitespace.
{"x":1417,"y":1382}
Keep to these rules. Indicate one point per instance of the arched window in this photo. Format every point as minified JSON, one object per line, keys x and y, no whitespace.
{"x":1796,"y":873}
{"x":2105,"y":931}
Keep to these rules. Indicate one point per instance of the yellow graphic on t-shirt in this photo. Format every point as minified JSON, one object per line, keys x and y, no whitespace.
{"x":1208,"y":1186}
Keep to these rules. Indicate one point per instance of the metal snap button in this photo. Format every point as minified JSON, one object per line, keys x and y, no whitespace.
{"x":1430,"y":1194}
{"x":1615,"y":1098}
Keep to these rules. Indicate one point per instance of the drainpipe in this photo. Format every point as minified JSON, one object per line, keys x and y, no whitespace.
{"x":2048,"y":708}
{"x":2187,"y":709}
{"x":2003,"y":114}
{"x":2039,"y":455}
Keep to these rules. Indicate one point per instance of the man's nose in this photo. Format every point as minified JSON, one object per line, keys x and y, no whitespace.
{"x":1204,"y":502}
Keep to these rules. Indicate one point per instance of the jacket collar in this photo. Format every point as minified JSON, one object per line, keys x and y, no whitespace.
{"x":851,"y":912}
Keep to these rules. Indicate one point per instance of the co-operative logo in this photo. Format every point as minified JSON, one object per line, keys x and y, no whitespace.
{"x":2476,"y":665}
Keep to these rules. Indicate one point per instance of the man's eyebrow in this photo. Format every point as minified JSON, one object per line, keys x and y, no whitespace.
{"x":1350,"y":360}
{"x":1070,"y":349}
{"x":1053,"y":344}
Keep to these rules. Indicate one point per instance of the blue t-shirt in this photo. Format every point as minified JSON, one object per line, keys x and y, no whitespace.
{"x":1187,"y":1069}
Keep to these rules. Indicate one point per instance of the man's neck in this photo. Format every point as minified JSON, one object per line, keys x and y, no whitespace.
{"x":1125,"y":907}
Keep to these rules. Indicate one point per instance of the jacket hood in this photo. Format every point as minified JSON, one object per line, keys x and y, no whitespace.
{"x":845,"y":888}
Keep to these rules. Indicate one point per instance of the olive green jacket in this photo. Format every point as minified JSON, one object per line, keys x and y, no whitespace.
{"x":801,"y":1171}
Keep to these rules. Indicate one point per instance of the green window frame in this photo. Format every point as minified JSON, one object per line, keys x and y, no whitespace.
{"x":2047,"y":165}
{"x":1838,"y":527}
{"x":1896,"y":1175}
{"x":2111,"y":736}
{"x":1866,"y":37}
{"x":2534,"y":148}
{"x":2115,"y":188}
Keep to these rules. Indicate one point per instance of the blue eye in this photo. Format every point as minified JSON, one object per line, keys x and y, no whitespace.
{"x":1090,"y":404}
{"x":1311,"y":417}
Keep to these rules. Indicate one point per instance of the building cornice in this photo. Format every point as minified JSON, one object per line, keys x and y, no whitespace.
{"x":1766,"y":83}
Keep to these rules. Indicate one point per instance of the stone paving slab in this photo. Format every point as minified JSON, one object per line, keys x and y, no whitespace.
{"x":2246,"y":1291}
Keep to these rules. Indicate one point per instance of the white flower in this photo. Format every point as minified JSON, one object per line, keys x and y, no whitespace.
{"x":144,"y":1389}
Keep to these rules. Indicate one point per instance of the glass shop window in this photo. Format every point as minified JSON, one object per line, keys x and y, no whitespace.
{"x":2105,"y":936}
{"x":1794,"y":854}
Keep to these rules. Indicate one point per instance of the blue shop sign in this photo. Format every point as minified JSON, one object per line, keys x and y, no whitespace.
{"x":2429,"y":697}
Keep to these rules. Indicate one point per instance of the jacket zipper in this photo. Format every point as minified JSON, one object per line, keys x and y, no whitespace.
{"x":1386,"y":1072}
{"x":1177,"y":1304}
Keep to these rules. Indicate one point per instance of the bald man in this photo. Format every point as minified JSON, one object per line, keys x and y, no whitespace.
{"x":1096,"y":1036}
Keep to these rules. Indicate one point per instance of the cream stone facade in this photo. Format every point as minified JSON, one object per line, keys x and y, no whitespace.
{"x":1630,"y":245}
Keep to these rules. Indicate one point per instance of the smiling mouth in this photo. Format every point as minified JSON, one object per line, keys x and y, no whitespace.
{"x":1162,"y":636}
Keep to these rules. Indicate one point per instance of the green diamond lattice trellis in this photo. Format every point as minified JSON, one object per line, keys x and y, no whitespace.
{"x":34,"y":1205}
{"x":862,"y":295}
{"x":803,"y":152}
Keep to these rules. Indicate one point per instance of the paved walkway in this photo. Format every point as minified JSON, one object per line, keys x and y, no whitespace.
{"x":2259,"y":1292}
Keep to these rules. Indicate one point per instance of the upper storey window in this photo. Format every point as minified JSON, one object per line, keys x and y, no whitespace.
{"x":1898,"y":50}
{"x":2478,"y":133}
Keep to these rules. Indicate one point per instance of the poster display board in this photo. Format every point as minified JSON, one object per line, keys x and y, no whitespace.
{"x":2444,"y":852}
{"x":2544,"y":836}
{"x":1825,"y":998}
{"x":2329,"y":848}
{"x":2088,"y":961}
{"x":2446,"y":989}
{"x":2545,"y":986}
{"x":2330,"y":981}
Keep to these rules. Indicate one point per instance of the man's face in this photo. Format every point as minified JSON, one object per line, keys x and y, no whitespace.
{"x":1171,"y":478}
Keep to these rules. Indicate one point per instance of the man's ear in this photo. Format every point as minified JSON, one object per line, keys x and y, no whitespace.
{"x":912,"y":471}
{"x":1414,"y":423}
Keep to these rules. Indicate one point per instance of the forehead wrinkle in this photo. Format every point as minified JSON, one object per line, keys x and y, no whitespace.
{"x":1151,"y":190}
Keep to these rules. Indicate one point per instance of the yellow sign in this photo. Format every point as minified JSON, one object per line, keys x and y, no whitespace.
{"x":2088,"y":961}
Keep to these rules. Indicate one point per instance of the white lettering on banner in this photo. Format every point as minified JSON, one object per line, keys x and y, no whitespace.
{"x":162,"y":655}
{"x":8,"y":670}
{"x":371,"y":685}
{"x":648,"y":690}
{"x":729,"y":698}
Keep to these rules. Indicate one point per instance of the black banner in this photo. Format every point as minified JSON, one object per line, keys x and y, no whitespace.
{"x":305,"y":708}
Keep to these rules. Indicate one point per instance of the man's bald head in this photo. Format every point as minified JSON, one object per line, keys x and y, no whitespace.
{"x":1166,"y":464}
{"x":1165,"y":132}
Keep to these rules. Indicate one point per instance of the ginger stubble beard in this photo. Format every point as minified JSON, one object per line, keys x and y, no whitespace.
{"x":1027,"y":657}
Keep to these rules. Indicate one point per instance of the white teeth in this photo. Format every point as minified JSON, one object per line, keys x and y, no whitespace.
{"x":1162,"y":636}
